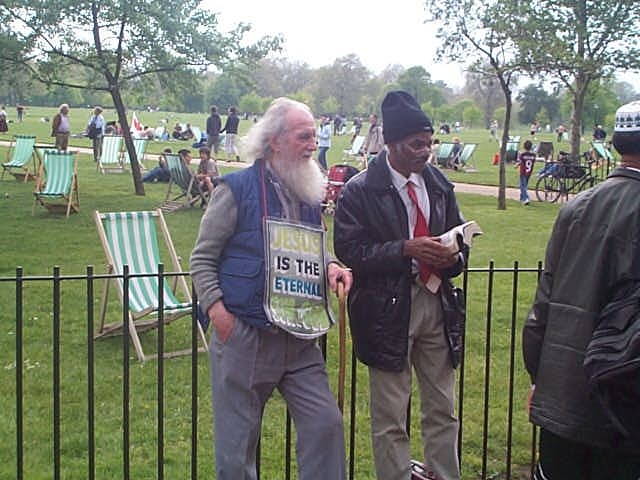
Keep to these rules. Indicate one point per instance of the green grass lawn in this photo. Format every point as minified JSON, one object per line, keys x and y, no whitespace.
{"x":43,"y":240}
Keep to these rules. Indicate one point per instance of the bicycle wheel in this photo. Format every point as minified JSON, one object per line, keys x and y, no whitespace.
{"x":548,"y":188}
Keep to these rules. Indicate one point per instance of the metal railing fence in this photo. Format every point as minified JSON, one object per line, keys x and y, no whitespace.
{"x":66,"y":387}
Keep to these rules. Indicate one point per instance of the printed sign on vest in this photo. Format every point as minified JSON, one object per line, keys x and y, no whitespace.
{"x":296,"y":288}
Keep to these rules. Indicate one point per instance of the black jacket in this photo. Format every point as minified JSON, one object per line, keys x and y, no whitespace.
{"x":594,"y":249}
{"x":231,"y":125}
{"x":370,"y":229}
{"x":214,"y":122}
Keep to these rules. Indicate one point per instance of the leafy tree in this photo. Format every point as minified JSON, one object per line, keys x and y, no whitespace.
{"x":114,"y":42}
{"x":251,"y":103}
{"x":329,"y":106}
{"x":485,"y":91}
{"x":579,"y":42}
{"x":471,"y":116}
{"x":534,"y":98}
{"x":625,"y":92}
{"x":344,"y":80}
{"x":415,"y":80}
{"x":280,"y":77}
{"x":479,"y":32}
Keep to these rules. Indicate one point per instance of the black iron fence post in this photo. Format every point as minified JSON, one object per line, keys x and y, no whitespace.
{"x":19,"y":384}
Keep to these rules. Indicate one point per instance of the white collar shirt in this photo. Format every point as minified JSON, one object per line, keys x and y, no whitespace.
{"x":400,"y":183}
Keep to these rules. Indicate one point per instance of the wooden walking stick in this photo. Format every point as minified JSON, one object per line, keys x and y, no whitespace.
{"x":342,"y":336}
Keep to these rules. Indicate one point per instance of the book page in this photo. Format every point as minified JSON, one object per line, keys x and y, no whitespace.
{"x":461,"y":234}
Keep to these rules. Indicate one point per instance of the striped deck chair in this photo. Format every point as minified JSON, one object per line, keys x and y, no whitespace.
{"x":444,"y":153}
{"x":140,"y":145}
{"x":130,"y":238}
{"x":21,"y":151}
{"x":57,"y":180}
{"x":187,"y":193}
{"x":111,"y":158}
{"x":465,"y":156}
{"x":512,"y":150}
{"x":353,"y":153}
{"x":601,"y":152}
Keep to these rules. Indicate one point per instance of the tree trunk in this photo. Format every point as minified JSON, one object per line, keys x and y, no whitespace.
{"x":502,"y":188}
{"x":581,"y":84}
{"x":128,"y":141}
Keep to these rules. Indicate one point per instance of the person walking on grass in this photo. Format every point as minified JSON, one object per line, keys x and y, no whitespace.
{"x":324,"y":140}
{"x":231,"y":134}
{"x":525,"y":161}
{"x":214,"y":123}
{"x":60,"y":127}
{"x":95,"y":131}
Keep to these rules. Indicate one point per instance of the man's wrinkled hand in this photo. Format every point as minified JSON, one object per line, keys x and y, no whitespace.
{"x":222,"y":320}
{"x":335,"y":274}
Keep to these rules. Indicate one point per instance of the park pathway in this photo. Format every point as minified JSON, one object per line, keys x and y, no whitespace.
{"x":487,"y":190}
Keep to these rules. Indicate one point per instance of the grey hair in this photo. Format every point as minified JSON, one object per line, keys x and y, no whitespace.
{"x":255,"y":144}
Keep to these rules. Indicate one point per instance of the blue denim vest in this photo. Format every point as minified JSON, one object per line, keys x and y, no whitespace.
{"x":241,"y":271}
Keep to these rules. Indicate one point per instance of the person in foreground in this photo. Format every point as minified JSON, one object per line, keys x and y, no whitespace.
{"x":385,"y":224}
{"x":250,"y":356}
{"x":592,"y":260}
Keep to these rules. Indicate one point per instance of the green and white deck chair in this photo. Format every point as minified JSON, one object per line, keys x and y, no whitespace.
{"x":19,"y":156}
{"x":57,"y":180}
{"x":444,"y":154}
{"x":130,"y":238}
{"x":111,"y":158}
{"x":140,"y":144}
{"x":512,"y":150}
{"x":353,"y":153}
{"x":197,"y":134}
{"x":183,"y":190}
{"x":465,"y":156}
{"x":601,"y":152}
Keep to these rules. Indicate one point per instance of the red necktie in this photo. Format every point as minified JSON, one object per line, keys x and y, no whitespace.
{"x":428,"y":274}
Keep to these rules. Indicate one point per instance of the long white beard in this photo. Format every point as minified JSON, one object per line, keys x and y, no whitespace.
{"x":303,"y":177}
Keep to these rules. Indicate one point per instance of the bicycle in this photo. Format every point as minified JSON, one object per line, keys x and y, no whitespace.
{"x":562,"y":177}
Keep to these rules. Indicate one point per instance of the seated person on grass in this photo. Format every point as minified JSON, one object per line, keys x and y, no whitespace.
{"x":161,"y":172}
{"x":177,"y":132}
{"x":207,"y":170}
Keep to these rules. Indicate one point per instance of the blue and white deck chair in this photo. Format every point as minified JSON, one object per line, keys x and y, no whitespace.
{"x":130,"y":238}
{"x":57,"y":180}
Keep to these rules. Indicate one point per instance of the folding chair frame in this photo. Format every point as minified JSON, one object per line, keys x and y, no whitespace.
{"x":116,"y":166}
{"x":191,"y":192}
{"x":25,"y":174}
{"x":136,"y":323}
{"x":72,"y":197}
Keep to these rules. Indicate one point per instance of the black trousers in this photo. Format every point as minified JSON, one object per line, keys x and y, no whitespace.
{"x":562,"y":459}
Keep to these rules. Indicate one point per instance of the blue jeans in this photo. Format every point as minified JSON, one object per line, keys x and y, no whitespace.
{"x":524,"y":183}
{"x":156,"y":174}
{"x":322,"y":156}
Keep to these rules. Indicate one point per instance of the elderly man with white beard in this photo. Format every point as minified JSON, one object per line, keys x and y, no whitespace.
{"x":252,"y":350}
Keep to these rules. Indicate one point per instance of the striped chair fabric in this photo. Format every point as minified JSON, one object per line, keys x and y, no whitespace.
{"x":21,"y":151}
{"x":111,"y":158}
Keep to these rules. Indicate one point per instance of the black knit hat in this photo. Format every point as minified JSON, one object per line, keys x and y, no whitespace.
{"x":402,"y":116}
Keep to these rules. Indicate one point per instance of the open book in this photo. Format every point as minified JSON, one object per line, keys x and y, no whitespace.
{"x":462,"y":234}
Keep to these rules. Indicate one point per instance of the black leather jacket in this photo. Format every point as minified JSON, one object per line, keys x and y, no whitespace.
{"x":594,"y":249}
{"x":370,"y":229}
